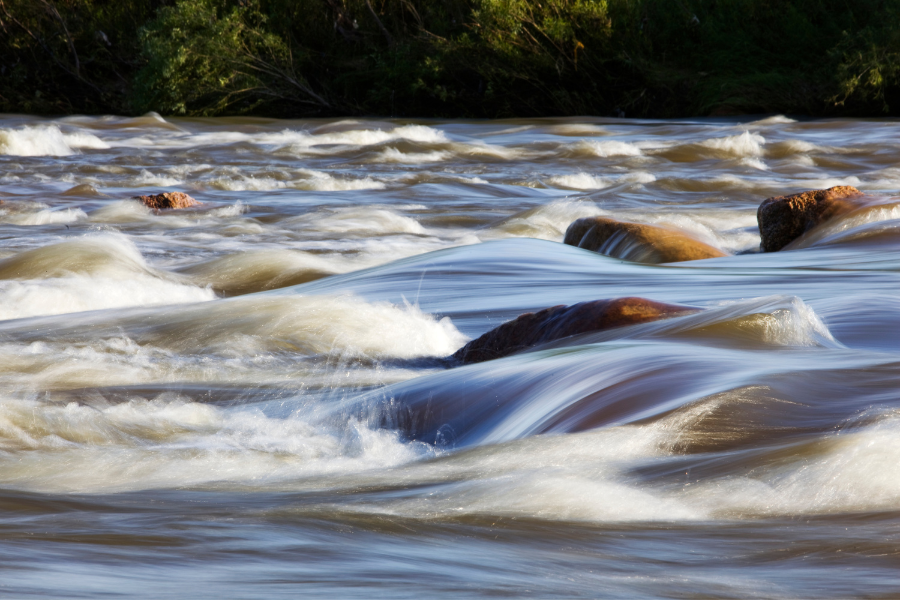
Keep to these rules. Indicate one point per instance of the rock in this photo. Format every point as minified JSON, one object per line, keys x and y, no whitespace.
{"x":556,"y":322}
{"x":167,"y":200}
{"x":783,"y":219}
{"x":637,"y":242}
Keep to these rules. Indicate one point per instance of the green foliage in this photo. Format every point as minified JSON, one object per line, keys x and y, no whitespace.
{"x":868,"y":70}
{"x":451,"y":58}
{"x":69,"y":56}
{"x":204,"y":57}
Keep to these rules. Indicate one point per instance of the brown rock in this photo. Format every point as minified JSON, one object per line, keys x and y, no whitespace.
{"x":637,"y":242}
{"x":783,"y":219}
{"x":531,"y":329}
{"x":167,"y":200}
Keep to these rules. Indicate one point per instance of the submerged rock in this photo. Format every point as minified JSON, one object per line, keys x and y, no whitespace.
{"x":783,"y":219}
{"x":167,"y":200}
{"x":637,"y":242}
{"x":557,"y":322}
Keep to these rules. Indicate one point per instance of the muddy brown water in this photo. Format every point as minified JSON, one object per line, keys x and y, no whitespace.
{"x":250,"y":399}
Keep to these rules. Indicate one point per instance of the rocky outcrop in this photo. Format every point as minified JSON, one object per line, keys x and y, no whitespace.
{"x":637,"y":242}
{"x":531,"y":329}
{"x":167,"y":200}
{"x":783,"y":219}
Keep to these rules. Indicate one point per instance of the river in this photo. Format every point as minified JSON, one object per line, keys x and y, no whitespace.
{"x":213,"y":402}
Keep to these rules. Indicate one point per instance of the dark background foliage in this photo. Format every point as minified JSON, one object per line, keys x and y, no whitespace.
{"x":450,"y":58}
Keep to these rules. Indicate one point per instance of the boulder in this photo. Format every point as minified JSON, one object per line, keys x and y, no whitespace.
{"x":167,"y":200}
{"x":783,"y":219}
{"x":556,"y":322}
{"x":637,"y":242}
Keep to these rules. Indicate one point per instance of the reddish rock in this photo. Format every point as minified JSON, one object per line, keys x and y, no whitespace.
{"x":556,"y":322}
{"x":167,"y":200}
{"x":783,"y":219}
{"x":637,"y":242}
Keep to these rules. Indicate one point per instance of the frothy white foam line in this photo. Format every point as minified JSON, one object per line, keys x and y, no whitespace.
{"x":85,"y":140}
{"x":744,"y":145}
{"x":42,"y":217}
{"x":143,"y":444}
{"x":392,"y":155}
{"x":607,"y":148}
{"x":19,"y":299}
{"x":34,"y":141}
{"x":359,"y":220}
{"x":579,"y":181}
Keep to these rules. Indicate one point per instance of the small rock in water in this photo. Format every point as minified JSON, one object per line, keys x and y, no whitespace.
{"x":783,"y":219}
{"x":167,"y":200}
{"x":557,"y":322}
{"x":637,"y":242}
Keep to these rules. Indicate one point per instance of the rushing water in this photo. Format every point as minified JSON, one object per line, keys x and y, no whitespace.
{"x":217,"y":402}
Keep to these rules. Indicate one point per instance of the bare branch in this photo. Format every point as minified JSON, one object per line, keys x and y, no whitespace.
{"x":387,"y":35}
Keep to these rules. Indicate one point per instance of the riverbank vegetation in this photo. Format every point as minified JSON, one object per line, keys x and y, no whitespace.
{"x":451,"y":58}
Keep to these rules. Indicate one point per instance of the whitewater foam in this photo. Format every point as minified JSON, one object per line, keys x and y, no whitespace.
{"x":170,"y":441}
{"x":19,"y":299}
{"x":604,"y":148}
{"x":41,"y":140}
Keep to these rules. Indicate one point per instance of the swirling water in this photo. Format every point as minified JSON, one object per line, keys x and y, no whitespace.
{"x":251,"y":399}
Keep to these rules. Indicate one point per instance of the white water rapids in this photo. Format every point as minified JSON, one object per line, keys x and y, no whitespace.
{"x":252,"y":398}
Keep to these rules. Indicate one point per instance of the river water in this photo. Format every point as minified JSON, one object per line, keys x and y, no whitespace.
{"x":216,"y":402}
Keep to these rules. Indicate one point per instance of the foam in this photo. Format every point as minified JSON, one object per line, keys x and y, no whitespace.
{"x":19,"y":299}
{"x":725,"y":229}
{"x":368,"y":137}
{"x":638,"y":177}
{"x":605,"y":148}
{"x":854,"y":472}
{"x":343,"y":326}
{"x":320,"y":181}
{"x":293,"y":141}
{"x":358,"y":220}
{"x":843,"y":228}
{"x":42,"y":217}
{"x":149,"y":178}
{"x":85,"y":140}
{"x":255,"y":270}
{"x":793,"y":147}
{"x":392,"y":155}
{"x":123,"y":211}
{"x":546,"y":222}
{"x":170,"y":441}
{"x":738,"y":146}
{"x":42,"y":140}
{"x":755,"y":163}
{"x":576,"y":477}
{"x":772,"y":320}
{"x":579,"y":181}
{"x":773,"y":120}
{"x":103,"y":255}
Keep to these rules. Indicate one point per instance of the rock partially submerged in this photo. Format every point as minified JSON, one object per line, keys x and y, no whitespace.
{"x":557,"y":322}
{"x":637,"y":242}
{"x":167,"y":200}
{"x":783,"y":219}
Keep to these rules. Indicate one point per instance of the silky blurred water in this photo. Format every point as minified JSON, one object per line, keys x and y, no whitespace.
{"x":252,"y":398}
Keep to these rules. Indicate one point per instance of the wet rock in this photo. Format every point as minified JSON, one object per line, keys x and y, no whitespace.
{"x":637,"y":242}
{"x":557,"y":322}
{"x":783,"y":219}
{"x":167,"y":200}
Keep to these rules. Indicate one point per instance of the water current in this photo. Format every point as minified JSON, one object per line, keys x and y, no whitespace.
{"x":216,"y":402}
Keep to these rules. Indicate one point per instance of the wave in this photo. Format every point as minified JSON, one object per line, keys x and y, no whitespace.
{"x":72,"y":294}
{"x":257,"y":270}
{"x":357,"y":220}
{"x":171,"y":441}
{"x":42,"y":140}
{"x":601,"y":149}
{"x":34,"y":214}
